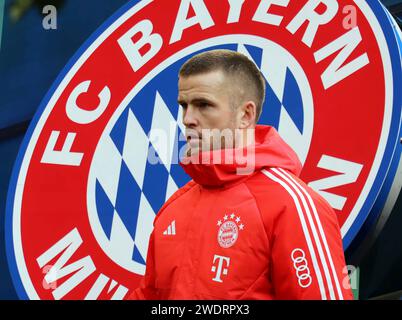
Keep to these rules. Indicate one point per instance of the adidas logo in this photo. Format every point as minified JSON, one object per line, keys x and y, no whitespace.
{"x":171,"y":230}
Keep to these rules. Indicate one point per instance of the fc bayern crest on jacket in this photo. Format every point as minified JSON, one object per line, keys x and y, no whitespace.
{"x":101,"y":154}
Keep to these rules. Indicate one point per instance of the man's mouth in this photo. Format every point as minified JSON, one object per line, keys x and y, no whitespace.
{"x":193,"y":141}
{"x":193,"y":137}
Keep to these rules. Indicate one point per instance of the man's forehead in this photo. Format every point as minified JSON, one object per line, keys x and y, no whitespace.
{"x":216,"y":74}
{"x":214,"y":81}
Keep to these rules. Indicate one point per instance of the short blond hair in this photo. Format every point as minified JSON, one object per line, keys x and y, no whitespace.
{"x":232,"y":64}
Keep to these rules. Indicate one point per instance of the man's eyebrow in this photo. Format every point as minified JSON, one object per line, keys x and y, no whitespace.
{"x":198,"y":99}
{"x":202,"y":99}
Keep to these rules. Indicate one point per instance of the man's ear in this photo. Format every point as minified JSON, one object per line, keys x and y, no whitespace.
{"x":247,"y":115}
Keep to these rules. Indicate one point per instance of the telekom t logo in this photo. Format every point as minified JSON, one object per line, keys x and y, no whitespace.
{"x":220,"y":268}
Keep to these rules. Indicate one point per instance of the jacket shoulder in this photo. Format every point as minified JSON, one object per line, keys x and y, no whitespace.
{"x":270,"y":198}
{"x":176,"y":195}
{"x":267,"y":192}
{"x":280,"y":195}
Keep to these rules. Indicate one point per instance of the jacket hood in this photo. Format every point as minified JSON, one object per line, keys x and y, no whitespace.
{"x":219,"y":168}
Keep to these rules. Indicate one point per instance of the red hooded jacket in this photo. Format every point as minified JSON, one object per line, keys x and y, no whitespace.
{"x":260,"y":235}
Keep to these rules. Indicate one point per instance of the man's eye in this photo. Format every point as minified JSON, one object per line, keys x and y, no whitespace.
{"x":204,"y":104}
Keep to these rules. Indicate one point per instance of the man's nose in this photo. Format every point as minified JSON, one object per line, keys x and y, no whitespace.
{"x":190,"y":116}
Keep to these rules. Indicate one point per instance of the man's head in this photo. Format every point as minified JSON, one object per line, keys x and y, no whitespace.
{"x":220,"y":90}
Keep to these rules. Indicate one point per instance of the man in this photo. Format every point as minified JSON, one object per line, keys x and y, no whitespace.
{"x":240,"y":229}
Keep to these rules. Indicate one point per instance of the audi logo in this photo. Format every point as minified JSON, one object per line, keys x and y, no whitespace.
{"x":301,"y":266}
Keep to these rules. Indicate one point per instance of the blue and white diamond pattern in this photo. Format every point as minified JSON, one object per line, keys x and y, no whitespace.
{"x":129,"y":189}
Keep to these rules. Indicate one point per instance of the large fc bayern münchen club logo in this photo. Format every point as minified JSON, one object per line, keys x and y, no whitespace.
{"x":101,"y":155}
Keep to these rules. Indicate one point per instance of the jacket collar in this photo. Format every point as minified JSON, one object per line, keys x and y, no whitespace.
{"x":220,"y":168}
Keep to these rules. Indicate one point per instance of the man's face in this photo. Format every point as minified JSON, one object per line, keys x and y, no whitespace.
{"x":206,"y":101}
